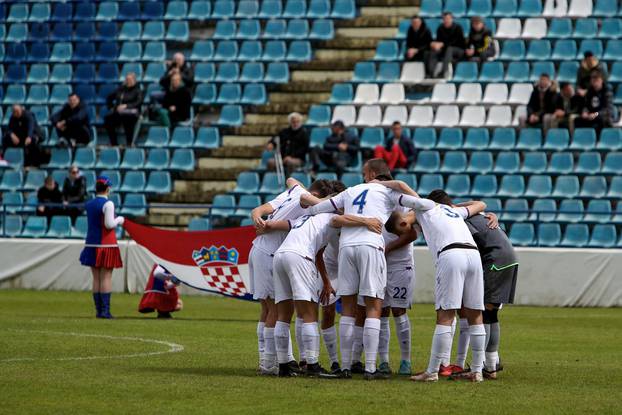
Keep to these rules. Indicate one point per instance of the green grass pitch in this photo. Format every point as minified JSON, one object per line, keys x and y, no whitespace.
{"x":557,"y":360}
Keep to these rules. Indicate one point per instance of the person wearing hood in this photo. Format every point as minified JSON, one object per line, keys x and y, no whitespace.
{"x":418,"y":39}
{"x":125,"y":103}
{"x":293,"y":142}
{"x":541,"y":104}
{"x":479,"y":44}
{"x":598,"y":110}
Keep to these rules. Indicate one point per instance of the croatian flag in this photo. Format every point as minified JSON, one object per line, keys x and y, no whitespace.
{"x":214,"y":261}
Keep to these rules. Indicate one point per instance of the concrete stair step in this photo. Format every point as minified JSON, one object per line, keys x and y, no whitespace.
{"x":283,"y":108}
{"x":337,"y":54}
{"x":298,"y":98}
{"x":389,"y":11}
{"x":259,"y":129}
{"x":305,"y":86}
{"x":321,"y":76}
{"x":247,"y":152}
{"x":388,"y":3}
{"x":359,"y":34}
{"x":272,"y":119}
{"x":329,"y":65}
{"x":373,"y":21}
{"x":244,"y":140}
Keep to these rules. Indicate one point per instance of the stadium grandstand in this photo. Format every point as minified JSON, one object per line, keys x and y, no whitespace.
{"x":255,"y":62}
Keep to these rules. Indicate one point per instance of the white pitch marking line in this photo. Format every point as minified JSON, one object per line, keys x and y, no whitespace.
{"x":172,"y":347}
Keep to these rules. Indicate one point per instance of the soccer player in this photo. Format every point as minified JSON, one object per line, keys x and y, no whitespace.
{"x":459,"y":279}
{"x":362,"y":264}
{"x":500,"y":274}
{"x":286,"y":206}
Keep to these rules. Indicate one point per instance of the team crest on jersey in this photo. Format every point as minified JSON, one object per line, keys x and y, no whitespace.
{"x":219,"y":266}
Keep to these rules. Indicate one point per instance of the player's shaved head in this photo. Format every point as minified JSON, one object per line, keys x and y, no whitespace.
{"x":440,"y":196}
{"x":321,"y":188}
{"x":376,"y":169}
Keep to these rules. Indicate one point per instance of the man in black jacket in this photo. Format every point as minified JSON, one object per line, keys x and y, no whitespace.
{"x":480,"y":46}
{"x":176,"y":103}
{"x":294,"y":144}
{"x":418,"y":39}
{"x":23,"y":132}
{"x":74,"y":192}
{"x":398,"y":151}
{"x":541,"y":104}
{"x":598,"y":110}
{"x":72,"y":122}
{"x":178,"y":66}
{"x":449,"y":46}
{"x":49,"y":193}
{"x":125,"y":103}
{"x":340,"y":149}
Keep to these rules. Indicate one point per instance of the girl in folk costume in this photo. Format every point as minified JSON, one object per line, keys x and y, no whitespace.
{"x":160,"y":293}
{"x":101,"y":251}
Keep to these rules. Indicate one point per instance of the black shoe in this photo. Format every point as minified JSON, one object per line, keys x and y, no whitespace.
{"x":374,"y":376}
{"x":164,"y":314}
{"x":345,"y":374}
{"x":357,"y":367}
{"x":335,"y":369}
{"x":295,"y":367}
{"x":285,"y":371}
{"x":314,"y":370}
{"x":302,"y":365}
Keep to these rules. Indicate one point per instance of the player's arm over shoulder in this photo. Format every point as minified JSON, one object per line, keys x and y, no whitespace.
{"x":472,"y":208}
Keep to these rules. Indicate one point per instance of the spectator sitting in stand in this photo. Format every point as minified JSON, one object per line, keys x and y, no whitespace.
{"x":294,"y":144}
{"x":541,"y":105}
{"x":588,"y":65}
{"x":340,"y":149}
{"x":72,"y":122}
{"x":176,"y":103}
{"x":418,"y":39}
{"x":598,"y":110}
{"x":480,"y":46}
{"x":567,"y":108}
{"x":74,"y":192}
{"x":448,"y":47}
{"x":178,"y":66}
{"x":125,"y":103}
{"x":23,"y":132}
{"x":49,"y":193}
{"x":398,"y":151}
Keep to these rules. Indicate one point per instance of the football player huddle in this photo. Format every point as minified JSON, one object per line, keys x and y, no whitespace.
{"x":317,"y":245}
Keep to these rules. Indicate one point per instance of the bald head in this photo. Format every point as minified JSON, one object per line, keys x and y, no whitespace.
{"x":179,"y":59}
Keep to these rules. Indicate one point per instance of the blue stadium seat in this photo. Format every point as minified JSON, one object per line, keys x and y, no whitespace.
{"x":159,"y":182}
{"x":561,"y":163}
{"x":176,"y":10}
{"x":529,"y":139}
{"x":576,"y":235}
{"x":247,"y":183}
{"x":458,"y":185}
{"x":583,"y":139}
{"x":567,"y":71}
{"x":223,"y":9}
{"x":557,"y":139}
{"x":430,"y":8}
{"x":593,"y":187}
{"x":589,"y":163}
{"x":598,"y":211}
{"x":297,"y":29}
{"x":85,"y":73}
{"x":424,"y":138}
{"x":540,"y":67}
{"x":534,"y":162}
{"x":372,"y":137}
{"x":254,"y":94}
{"x":250,"y":50}
{"x":133,"y":159}
{"x":319,"y":115}
{"x":612,"y":164}
{"x":512,"y":186}
{"x":84,"y":158}
{"x":295,"y":8}
{"x":351,"y":179}
{"x":130,"y":31}
{"x":15,"y":52}
{"x":466,"y":72}
{"x":387,"y":50}
{"x":13,"y":225}
{"x":585,"y":28}
{"x":154,"y":51}
{"x":207,"y":137}
{"x":566,"y":187}
{"x":318,"y":135}
{"x":62,"y":12}
{"x":225,"y":29}
{"x":15,"y":157}
{"x":34,"y":180}
{"x":107,"y":52}
{"x":318,"y":9}
{"x":341,"y":94}
{"x":129,"y":11}
{"x":37,"y":95}
{"x":603,"y":236}
{"x":226,"y":50}
{"x":274,"y":50}
{"x":247,"y":9}
{"x":570,"y":210}
{"x":275,"y":29}
{"x":538,"y":50}
{"x":450,"y":139}
{"x":271,"y":9}
{"x":133,"y":181}
{"x":530,"y":8}
{"x":539,"y":186}
{"x":203,"y":72}
{"x":35,"y":227}
{"x":60,"y":158}
{"x":560,"y":28}
{"x":388,"y":72}
{"x":610,"y":28}
{"x":130,"y":52}
{"x":108,"y":10}
{"x":613,"y":51}
{"x":182,"y":137}
{"x":11,"y":202}
{"x":477,"y":139}
{"x":15,"y":74}
{"x":615,"y":188}
{"x":485,"y":185}
{"x":503,"y":139}
{"x":429,"y":182}
{"x":60,"y":227}
{"x":564,"y":49}
{"x":11,"y":180}
{"x":549,"y":234}
{"x":108,"y":72}
{"x":491,"y":72}
{"x":134,"y":205}
{"x":299,"y":51}
{"x":85,"y":31}
{"x":18,"y":32}
{"x":84,"y":11}
{"x":427,"y":161}
{"x":39,"y":52}
{"x":153,"y":30}
{"x":229,"y":94}
{"x":517,"y":72}
{"x":270,"y":184}
{"x":38,"y":74}
{"x":481,"y":162}
{"x":249,"y":29}
{"x":18,"y":13}
{"x":544,"y":210}
{"x":593,"y":45}
{"x":157,"y":137}
{"x":513,"y":50}
{"x":456,"y":7}
{"x":610,"y":139}
{"x":157,"y":159}
{"x":228,"y":72}
{"x":199,"y":224}
{"x":231,"y":115}
{"x":322,"y":29}
{"x":109,"y":158}
{"x":364,"y":72}
{"x":605,"y":8}
{"x":205,"y":94}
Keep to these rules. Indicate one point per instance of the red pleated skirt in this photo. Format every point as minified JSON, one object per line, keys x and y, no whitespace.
{"x":108,"y":257}
{"x":153,"y":301}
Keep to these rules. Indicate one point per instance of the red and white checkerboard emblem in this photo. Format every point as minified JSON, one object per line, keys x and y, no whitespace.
{"x":219,"y":266}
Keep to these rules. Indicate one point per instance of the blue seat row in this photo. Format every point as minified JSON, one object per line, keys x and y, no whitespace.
{"x":321,"y":29}
{"x":574,"y":235}
{"x":251,"y":50}
{"x":230,"y":93}
{"x":515,"y":71}
{"x":274,"y":72}
{"x":549,"y":210}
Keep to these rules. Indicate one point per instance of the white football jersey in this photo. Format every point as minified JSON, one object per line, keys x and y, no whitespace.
{"x":286,"y":207}
{"x":331,"y":253}
{"x":308,"y":235}
{"x":401,"y":257}
{"x":443,"y":225}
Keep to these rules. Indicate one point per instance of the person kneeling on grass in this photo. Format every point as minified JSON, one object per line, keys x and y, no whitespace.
{"x":101,"y":251}
{"x":161,"y":293}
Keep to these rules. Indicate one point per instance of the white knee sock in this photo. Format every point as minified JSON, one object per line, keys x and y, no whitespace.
{"x":281,"y":339}
{"x":371,"y":338}
{"x":402,"y":328}
{"x":441,"y":347}
{"x":493,"y":334}
{"x":260,"y":340}
{"x":463,"y":343}
{"x":346,"y":336}
{"x":447,"y":361}
{"x":311,"y":340}
{"x":384,"y":339}
{"x":330,"y":341}
{"x":478,"y":347}
{"x":357,"y":345}
{"x":301,"y":349}
{"x":269,"y":354}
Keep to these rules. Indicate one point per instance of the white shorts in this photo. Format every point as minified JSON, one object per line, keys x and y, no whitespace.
{"x":459,"y":280}
{"x":260,"y":270}
{"x":295,"y":278}
{"x":332,"y":272}
{"x":362,"y":271}
{"x":400,"y":287}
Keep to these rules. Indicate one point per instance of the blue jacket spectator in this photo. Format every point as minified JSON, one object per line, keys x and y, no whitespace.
{"x":340,"y":149}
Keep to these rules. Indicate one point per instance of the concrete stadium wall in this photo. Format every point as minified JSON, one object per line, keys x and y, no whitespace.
{"x":547,"y":276}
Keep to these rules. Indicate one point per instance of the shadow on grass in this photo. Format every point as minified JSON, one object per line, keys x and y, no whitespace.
{"x":201,"y":371}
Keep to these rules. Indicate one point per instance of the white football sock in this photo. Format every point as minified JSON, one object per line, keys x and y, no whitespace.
{"x":463,"y":343}
{"x":269,"y":354}
{"x":493,"y":333}
{"x":384,"y":339}
{"x":446,"y":362}
{"x":330,"y":341}
{"x":402,"y":327}
{"x":311,"y":340}
{"x":371,"y":337}
{"x":260,"y":341}
{"x":492,"y":358}
{"x":301,"y":349}
{"x":478,"y":346}
{"x":357,"y":345}
{"x":281,"y":339}
{"x":346,"y":336}
{"x":441,"y":347}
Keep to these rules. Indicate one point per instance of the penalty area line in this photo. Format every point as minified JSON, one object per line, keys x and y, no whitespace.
{"x":172,"y":347}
